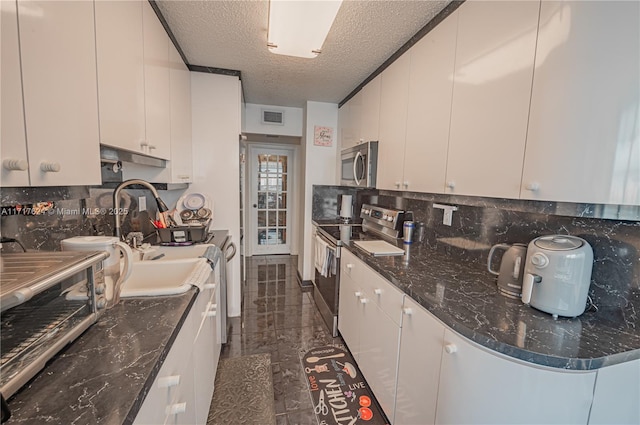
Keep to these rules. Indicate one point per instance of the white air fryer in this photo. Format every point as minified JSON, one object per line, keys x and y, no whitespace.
{"x":557,"y":275}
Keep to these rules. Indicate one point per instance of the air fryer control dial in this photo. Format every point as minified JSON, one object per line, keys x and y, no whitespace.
{"x":539,"y":260}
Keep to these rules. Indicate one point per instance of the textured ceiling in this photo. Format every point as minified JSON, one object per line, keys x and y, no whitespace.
{"x":233,"y":35}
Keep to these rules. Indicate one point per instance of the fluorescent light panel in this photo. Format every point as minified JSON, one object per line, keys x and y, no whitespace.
{"x":299,"y":27}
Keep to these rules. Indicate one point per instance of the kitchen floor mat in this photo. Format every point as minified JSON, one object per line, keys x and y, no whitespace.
{"x":243,"y":393}
{"x":339,"y":393}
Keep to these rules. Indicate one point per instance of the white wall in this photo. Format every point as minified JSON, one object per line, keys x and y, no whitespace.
{"x":319,"y":164}
{"x":216,"y":117}
{"x":253,"y":120}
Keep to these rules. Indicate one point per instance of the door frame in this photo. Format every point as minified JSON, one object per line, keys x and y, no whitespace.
{"x":292,"y":194}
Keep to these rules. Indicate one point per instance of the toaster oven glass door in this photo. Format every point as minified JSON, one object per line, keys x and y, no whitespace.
{"x":35,"y":330}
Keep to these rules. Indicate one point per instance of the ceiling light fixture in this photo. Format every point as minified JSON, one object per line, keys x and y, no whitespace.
{"x":299,"y":27}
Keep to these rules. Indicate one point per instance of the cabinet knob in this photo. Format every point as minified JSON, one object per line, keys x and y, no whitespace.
{"x":212,"y":313}
{"x":168,"y":381}
{"x":377,"y":291}
{"x":174,"y":409}
{"x":357,"y":294}
{"x":450,"y":348}
{"x":209,"y":286}
{"x":407,"y":310}
{"x":533,"y":186}
{"x":50,"y":167}
{"x":152,"y":147}
{"x":406,"y":185}
{"x":397,"y":185}
{"x":13,"y":164}
{"x":349,"y":266}
{"x":451,"y":184}
{"x":363,"y":300}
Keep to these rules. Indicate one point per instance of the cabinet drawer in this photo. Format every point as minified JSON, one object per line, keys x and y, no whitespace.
{"x":382,"y":293}
{"x":350,"y":265}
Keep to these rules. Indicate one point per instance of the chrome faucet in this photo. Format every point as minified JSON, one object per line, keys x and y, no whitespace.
{"x":162,"y":207}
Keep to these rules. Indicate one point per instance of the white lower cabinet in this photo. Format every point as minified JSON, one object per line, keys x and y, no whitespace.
{"x":183,"y":389}
{"x":421,"y":372}
{"x":419,"y":366}
{"x":477,"y":386}
{"x":370,"y":333}
{"x":615,"y":399}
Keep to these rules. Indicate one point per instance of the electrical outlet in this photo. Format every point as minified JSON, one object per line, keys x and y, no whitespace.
{"x":142,"y":203}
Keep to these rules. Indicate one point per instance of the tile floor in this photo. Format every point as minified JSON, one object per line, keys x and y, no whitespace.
{"x":280,"y":319}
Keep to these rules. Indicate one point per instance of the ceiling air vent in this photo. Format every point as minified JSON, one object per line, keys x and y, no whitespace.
{"x":272,"y":117}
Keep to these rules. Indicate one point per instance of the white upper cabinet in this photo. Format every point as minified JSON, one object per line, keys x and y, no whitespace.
{"x":370,"y":111}
{"x":181,"y":160}
{"x":394,"y":97}
{"x":491,"y":94}
{"x":58,"y":53}
{"x":430,"y":94}
{"x":13,"y":144}
{"x":583,"y":142}
{"x":120,"y":73}
{"x":156,"y":83}
{"x":348,"y":118}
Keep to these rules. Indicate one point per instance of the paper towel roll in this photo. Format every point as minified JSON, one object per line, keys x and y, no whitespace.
{"x":346,"y":208}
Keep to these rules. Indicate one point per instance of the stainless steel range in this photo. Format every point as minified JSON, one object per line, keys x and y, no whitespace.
{"x":377,"y":223}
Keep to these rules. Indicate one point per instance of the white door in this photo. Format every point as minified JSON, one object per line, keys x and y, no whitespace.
{"x":270,"y":190}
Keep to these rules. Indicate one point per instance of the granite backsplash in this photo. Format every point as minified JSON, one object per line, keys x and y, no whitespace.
{"x":76,"y":211}
{"x":480,"y":223}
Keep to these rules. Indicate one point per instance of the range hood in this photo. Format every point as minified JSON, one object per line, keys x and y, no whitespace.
{"x":113,"y":155}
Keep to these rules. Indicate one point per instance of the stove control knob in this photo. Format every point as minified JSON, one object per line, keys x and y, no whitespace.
{"x":100,"y":288}
{"x":390,"y":218}
{"x":385,"y":217}
{"x":101,"y":303}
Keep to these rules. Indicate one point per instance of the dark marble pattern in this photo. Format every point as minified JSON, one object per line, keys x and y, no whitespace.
{"x":464,"y":297}
{"x":280,"y":319}
{"x":104,"y":376}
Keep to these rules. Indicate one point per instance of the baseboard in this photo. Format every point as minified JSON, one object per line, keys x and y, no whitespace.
{"x":305,"y":285}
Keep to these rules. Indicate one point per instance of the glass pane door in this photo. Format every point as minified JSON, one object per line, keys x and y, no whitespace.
{"x":272,"y":171}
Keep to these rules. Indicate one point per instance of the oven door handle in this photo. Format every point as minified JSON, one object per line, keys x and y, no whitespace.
{"x":332,"y":246}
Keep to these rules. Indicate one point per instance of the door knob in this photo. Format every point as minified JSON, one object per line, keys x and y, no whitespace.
{"x":255,"y":205}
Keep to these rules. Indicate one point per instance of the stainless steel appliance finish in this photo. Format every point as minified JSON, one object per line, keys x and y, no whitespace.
{"x":222,"y":240}
{"x":511,"y":268}
{"x":359,"y":165}
{"x":325,"y":288}
{"x":385,"y":222}
{"x":558,"y":274}
{"x":47,"y":300}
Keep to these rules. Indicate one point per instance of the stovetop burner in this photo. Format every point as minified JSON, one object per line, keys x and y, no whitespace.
{"x":341,"y":233}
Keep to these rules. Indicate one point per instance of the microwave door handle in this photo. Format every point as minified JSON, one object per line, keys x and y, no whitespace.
{"x":355,"y":168}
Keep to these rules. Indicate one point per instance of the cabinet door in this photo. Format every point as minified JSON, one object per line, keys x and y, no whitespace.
{"x":58,"y":52}
{"x":343,"y":127}
{"x":174,"y":383}
{"x":481,"y":387}
{"x":350,"y":314}
{"x":370,"y":117}
{"x":394,"y":97}
{"x":430,"y":94}
{"x":378,"y":360}
{"x":205,"y":356}
{"x":181,"y":159}
{"x":491,"y":92}
{"x":583,"y":144}
{"x":156,"y":83}
{"x":120,"y":57}
{"x":418,"y":366}
{"x":13,"y":143}
{"x":615,"y":399}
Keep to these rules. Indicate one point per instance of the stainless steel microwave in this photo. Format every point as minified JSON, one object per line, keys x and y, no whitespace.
{"x":359,"y":165}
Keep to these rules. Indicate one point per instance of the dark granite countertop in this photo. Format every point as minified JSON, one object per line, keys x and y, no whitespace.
{"x":464,"y":296}
{"x":105,"y":374}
